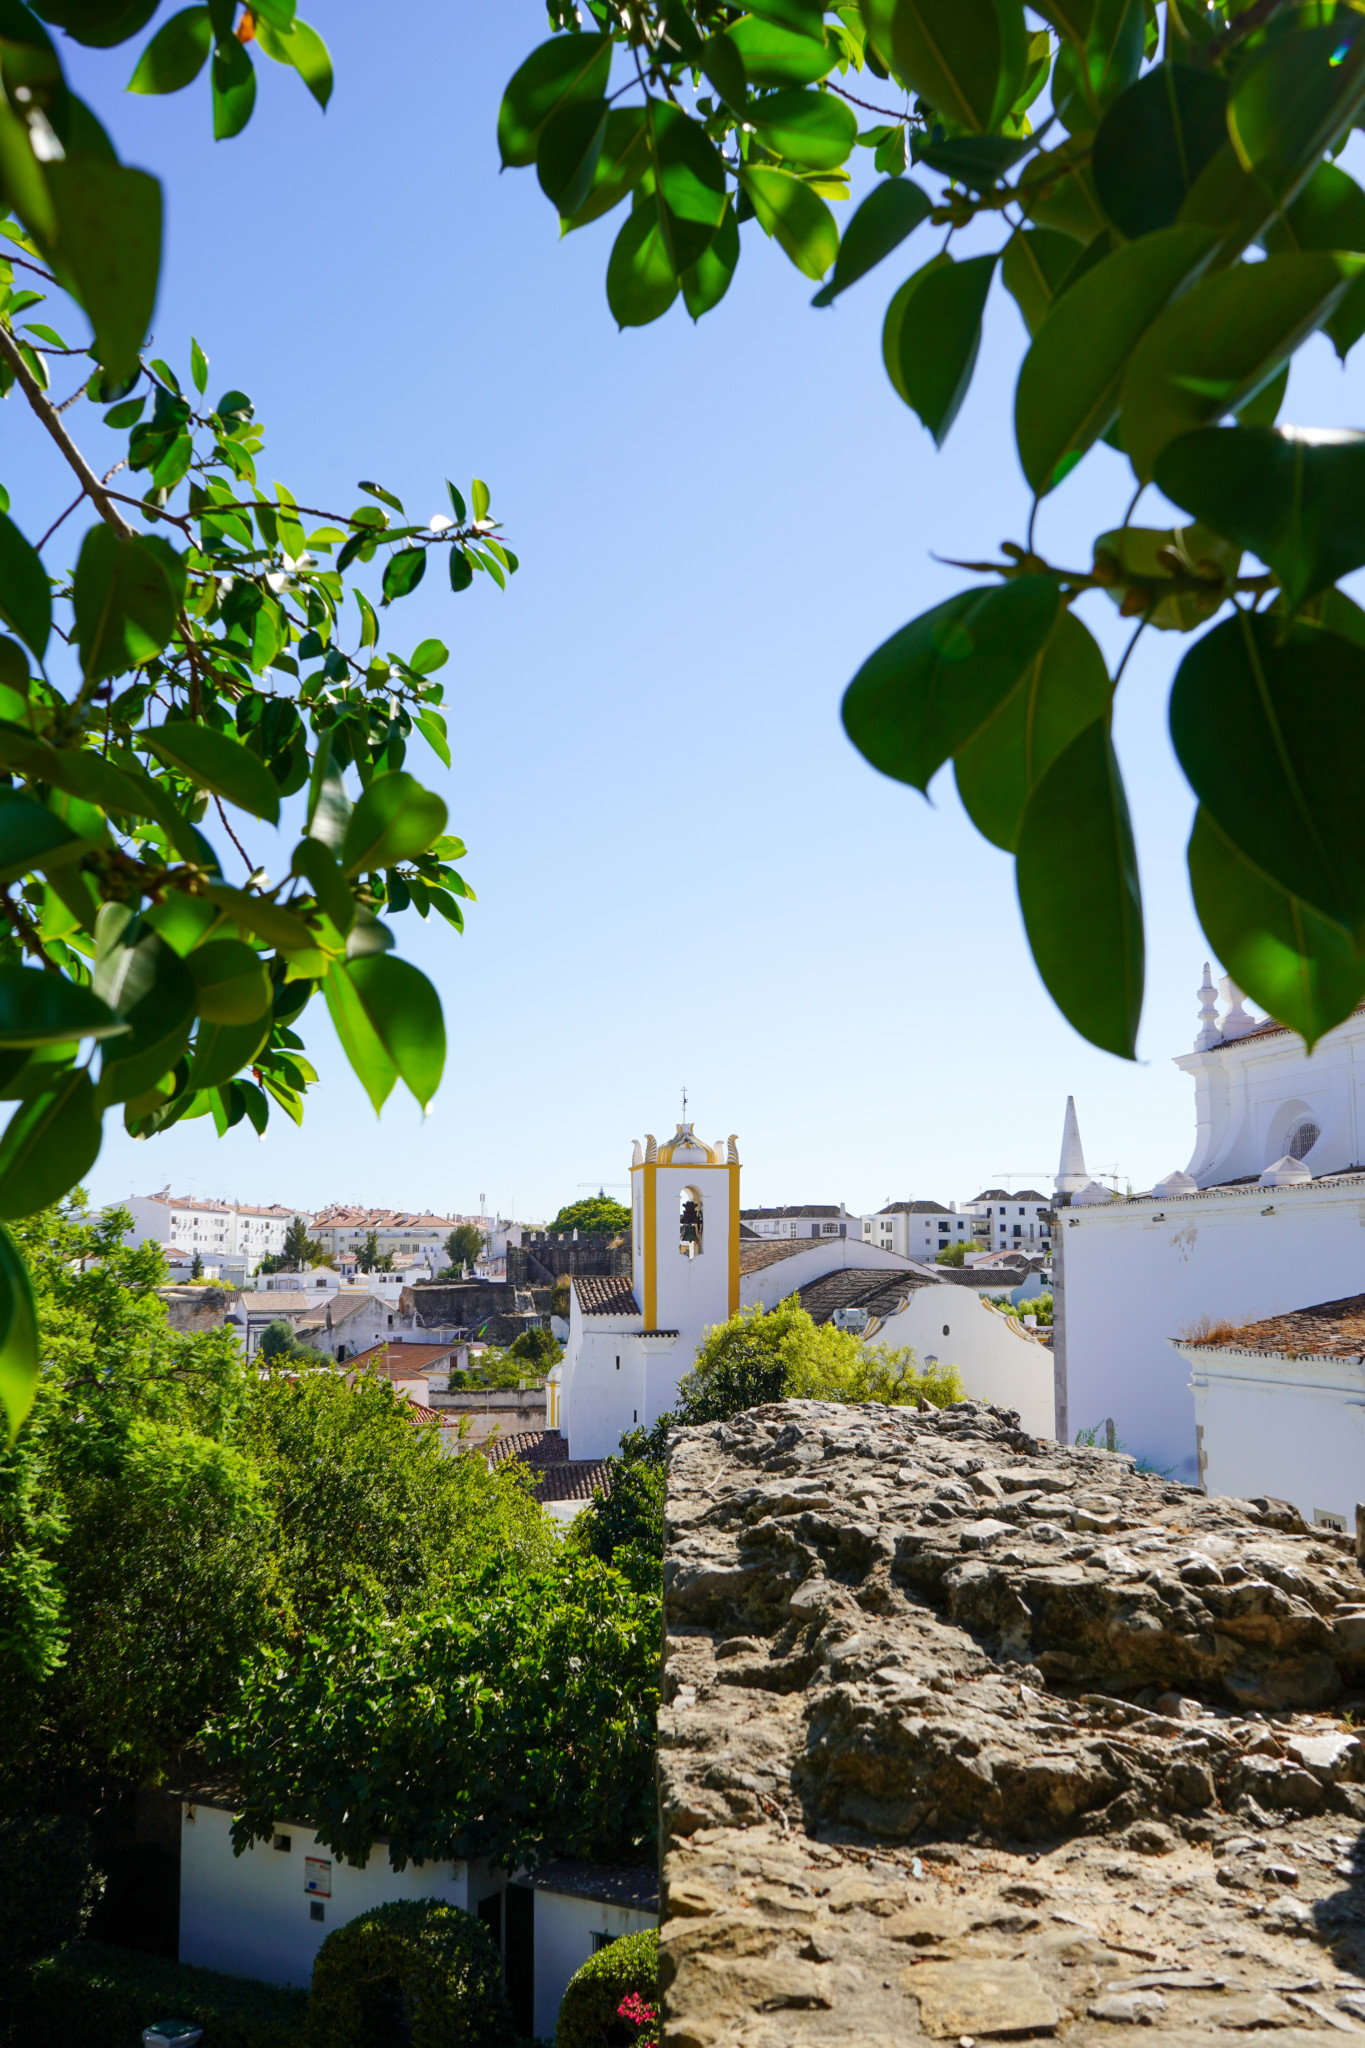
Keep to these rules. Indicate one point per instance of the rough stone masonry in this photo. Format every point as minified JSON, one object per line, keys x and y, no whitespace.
{"x":967,"y":1737}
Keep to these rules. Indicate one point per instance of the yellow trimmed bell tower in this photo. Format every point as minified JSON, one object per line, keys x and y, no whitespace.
{"x":685,"y":1231}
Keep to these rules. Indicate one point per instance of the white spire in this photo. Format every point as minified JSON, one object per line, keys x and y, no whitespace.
{"x":1237,"y":1019}
{"x":1209,"y":1033}
{"x":1071,"y":1173}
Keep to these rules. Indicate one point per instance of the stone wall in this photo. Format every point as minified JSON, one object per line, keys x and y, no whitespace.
{"x":545,"y":1256}
{"x":498,"y":1311}
{"x":968,"y":1736}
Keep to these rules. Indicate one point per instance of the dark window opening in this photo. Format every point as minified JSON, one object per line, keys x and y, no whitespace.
{"x":316,"y":1910}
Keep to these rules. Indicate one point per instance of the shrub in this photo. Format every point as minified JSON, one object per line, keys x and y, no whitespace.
{"x":414,"y":1963}
{"x":47,"y":1884}
{"x":590,"y":2014}
{"x":92,"y":1993}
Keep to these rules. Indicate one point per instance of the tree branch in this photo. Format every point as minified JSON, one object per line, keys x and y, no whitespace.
{"x":51,"y":419}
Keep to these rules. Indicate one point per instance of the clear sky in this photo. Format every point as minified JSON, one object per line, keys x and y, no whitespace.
{"x":685,"y":873}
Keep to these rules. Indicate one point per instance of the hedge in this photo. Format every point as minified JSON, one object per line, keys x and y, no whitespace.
{"x":414,"y":1962}
{"x":588,"y":2014}
{"x":47,"y":1884}
{"x":94,"y":1993}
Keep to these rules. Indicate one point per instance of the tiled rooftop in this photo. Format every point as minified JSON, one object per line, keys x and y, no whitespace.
{"x":605,"y":1294}
{"x":1330,"y":1329}
{"x":402,"y":1361}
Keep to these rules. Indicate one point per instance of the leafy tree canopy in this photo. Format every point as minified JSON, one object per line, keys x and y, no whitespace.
{"x":782,"y":1353}
{"x":463,"y":1245}
{"x":596,"y":1213}
{"x":956,"y":1254}
{"x":370,"y":1259}
{"x":213,"y":644}
{"x":1154,"y":185}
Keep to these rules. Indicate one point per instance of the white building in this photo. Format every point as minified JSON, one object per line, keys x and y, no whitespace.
{"x":813,"y":1219}
{"x":919,"y":1230}
{"x":1266,"y":1219}
{"x":344,"y":1228}
{"x":631,"y":1340}
{"x":235,"y":1236}
{"x":1011,"y":1223}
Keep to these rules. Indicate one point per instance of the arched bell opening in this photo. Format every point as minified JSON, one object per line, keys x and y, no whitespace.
{"x":690,"y":1223}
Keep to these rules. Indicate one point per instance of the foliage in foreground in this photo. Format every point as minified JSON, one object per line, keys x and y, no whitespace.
{"x":515,"y":1720}
{"x":589,"y":2015}
{"x":419,"y":1970}
{"x":956,"y":1254}
{"x":1155,"y":186}
{"x":97,"y":1993}
{"x":167,"y":1514}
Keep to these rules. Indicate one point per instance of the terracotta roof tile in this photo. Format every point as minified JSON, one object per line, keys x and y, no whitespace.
{"x":402,"y":1361}
{"x":1330,"y":1329}
{"x":605,"y":1294}
{"x":537,"y":1447}
{"x":575,"y":1479}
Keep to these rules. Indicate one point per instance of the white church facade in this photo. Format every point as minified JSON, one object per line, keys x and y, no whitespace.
{"x":1268,"y":1218}
{"x":692,"y":1266}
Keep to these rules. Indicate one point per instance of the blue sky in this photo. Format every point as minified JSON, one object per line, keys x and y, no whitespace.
{"x":685,"y":873}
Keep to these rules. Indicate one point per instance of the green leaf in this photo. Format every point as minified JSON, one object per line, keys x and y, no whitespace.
{"x":1088,"y":78}
{"x":199,"y":366}
{"x":641,"y":281}
{"x":428,"y":656}
{"x":109,"y":240}
{"x":1068,"y":391}
{"x":1329,"y":213}
{"x":1076,"y":869}
{"x":566,"y":159}
{"x":1153,"y":143}
{"x":25,"y":593}
{"x":890,"y":212}
{"x":1294,"y":97}
{"x":360,"y":1042}
{"x":230,"y":982}
{"x":1298,"y":966}
{"x":304,"y":48}
{"x":705,"y":282}
{"x":1219,"y":343}
{"x":395,"y":819}
{"x":457,"y":503}
{"x":433,"y":730}
{"x":1136,"y":556}
{"x":1295,"y":496}
{"x":222,"y":1050}
{"x":404,"y":1012}
{"x":31,"y":836}
{"x":403,"y":572}
{"x":461,"y":574}
{"x":125,"y":415}
{"x":724,"y":67}
{"x":939,"y":337}
{"x":810,"y":128}
{"x":932,"y":686}
{"x":175,"y":56}
{"x":787,"y":208}
{"x":1035,"y":268}
{"x":1268,"y":722}
{"x":479,"y":498}
{"x":19,"y":1352}
{"x":385,"y":497}
{"x":1065,"y":688}
{"x":234,"y":89}
{"x":622,"y":160}
{"x":37,"y":1008}
{"x":318,"y":865}
{"x":271,"y":924}
{"x":216,"y":762}
{"x":691,"y":183}
{"x":50,"y":1144}
{"x":125,"y":607}
{"x":774,"y":55}
{"x":966,"y":57}
{"x":564,"y":70}
{"x":977,"y":161}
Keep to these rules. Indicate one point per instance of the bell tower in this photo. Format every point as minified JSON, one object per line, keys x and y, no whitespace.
{"x":685,"y":1231}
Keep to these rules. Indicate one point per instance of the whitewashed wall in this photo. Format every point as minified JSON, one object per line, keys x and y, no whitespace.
{"x":564,"y":1927}
{"x":249,"y":1914}
{"x":998,"y":1359}
{"x":1292,"y":1427}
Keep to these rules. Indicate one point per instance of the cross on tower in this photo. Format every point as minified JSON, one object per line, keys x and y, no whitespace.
{"x":684,"y":1108}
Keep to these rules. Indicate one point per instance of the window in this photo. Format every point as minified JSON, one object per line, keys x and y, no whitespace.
{"x":1303,"y":1138}
{"x":601,"y":1941}
{"x":690,"y":1224}
{"x":828,"y":1229}
{"x":1021,"y":1208}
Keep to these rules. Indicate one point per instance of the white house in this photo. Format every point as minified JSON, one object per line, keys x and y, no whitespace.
{"x":267,"y":1912}
{"x":810,"y":1219}
{"x":919,"y":1230}
{"x":631,"y":1340}
{"x":558,"y":1917}
{"x":233,"y":1236}
{"x":344,"y":1228}
{"x":1021,"y":1222}
{"x":1268,"y":1216}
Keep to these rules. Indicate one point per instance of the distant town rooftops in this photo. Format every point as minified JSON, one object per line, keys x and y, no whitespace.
{"x":797,"y":1209}
{"x":346,"y":1216}
{"x":914,"y":1209}
{"x":401,"y":1360}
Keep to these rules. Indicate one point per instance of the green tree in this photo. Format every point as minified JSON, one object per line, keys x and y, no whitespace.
{"x":277,"y":1340}
{"x":596,"y":1214}
{"x":369,"y":1259}
{"x":299,"y":1250}
{"x":538,"y":1348}
{"x":196,"y":1267}
{"x":956,"y":1254}
{"x":763,"y":1355}
{"x":624,"y":1525}
{"x":209,"y":645}
{"x":1172,"y":231}
{"x":463,"y":1245}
